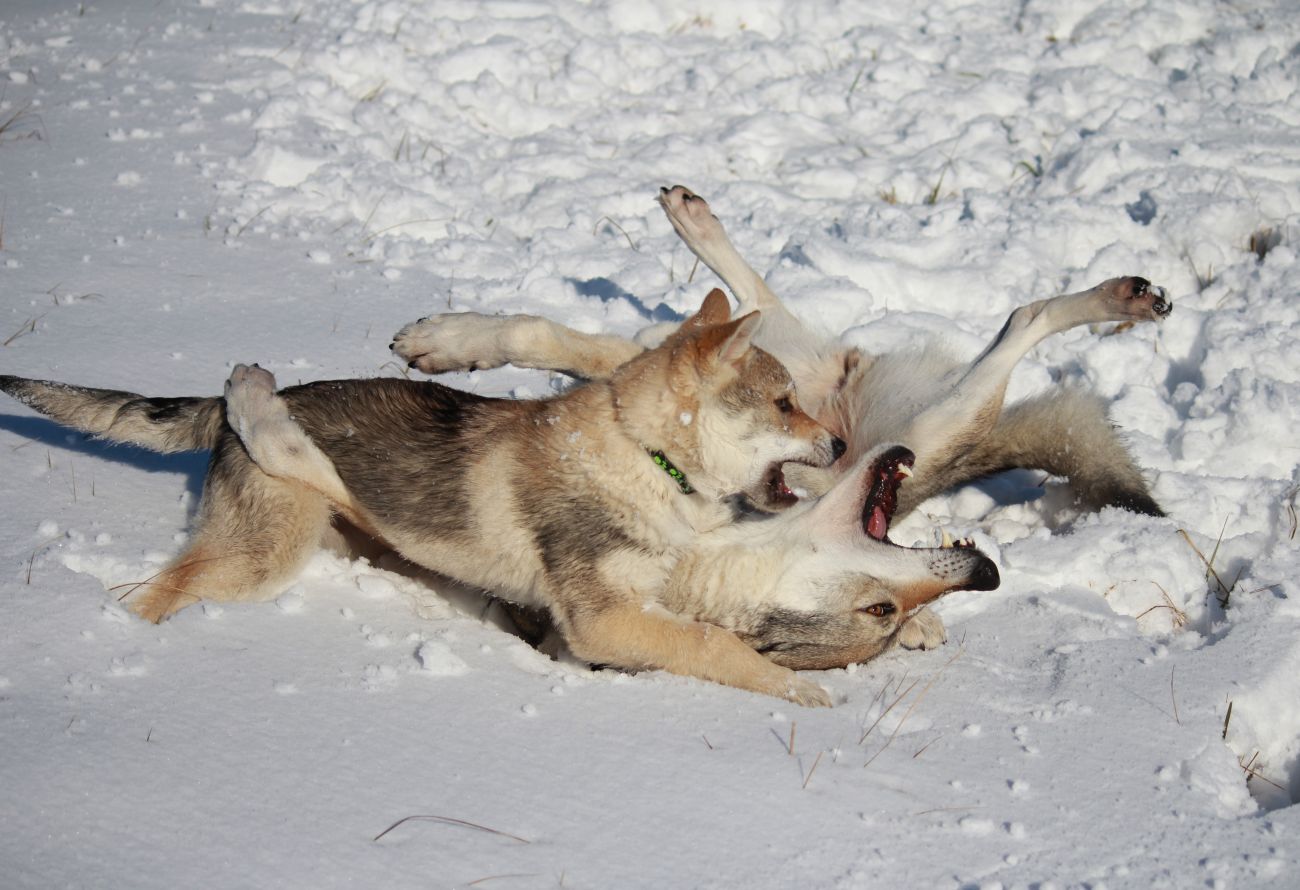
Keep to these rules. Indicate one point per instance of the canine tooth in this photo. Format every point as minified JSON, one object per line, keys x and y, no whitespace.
{"x":904,"y":471}
{"x":946,"y":540}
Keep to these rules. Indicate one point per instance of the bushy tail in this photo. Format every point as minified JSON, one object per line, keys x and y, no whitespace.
{"x":1067,"y":433}
{"x":163,"y":424}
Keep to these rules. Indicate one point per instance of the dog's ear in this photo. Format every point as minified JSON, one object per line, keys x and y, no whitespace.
{"x":714,"y":310}
{"x":724,"y":344}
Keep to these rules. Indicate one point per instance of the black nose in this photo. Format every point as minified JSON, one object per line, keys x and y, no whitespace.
{"x":984,"y":576}
{"x":837,"y":448}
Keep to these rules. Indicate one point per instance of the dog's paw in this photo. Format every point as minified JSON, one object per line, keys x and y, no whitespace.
{"x":250,"y":396}
{"x":457,"y":341}
{"x":689,"y":214}
{"x":1136,"y":299}
{"x":806,"y":693}
{"x":250,"y":378}
{"x":924,"y":630}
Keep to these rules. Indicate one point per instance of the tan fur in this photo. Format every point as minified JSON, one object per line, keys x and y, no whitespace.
{"x":797,"y":588}
{"x":555,"y":503}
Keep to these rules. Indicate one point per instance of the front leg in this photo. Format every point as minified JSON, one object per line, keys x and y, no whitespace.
{"x":923,"y":630}
{"x":633,"y":637}
{"x":467,"y":341}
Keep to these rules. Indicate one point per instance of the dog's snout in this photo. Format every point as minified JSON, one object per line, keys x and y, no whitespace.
{"x":838,"y":447}
{"x":984,"y":575}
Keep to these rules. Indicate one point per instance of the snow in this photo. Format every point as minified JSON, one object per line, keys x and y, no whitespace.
{"x":186,"y":185}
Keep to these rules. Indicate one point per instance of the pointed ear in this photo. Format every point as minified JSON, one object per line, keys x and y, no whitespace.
{"x":714,"y":310}
{"x":726,"y":343}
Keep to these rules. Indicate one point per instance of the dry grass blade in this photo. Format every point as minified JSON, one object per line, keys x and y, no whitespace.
{"x":1180,"y":617}
{"x":926,"y":747}
{"x":500,"y":877}
{"x":1172,"y":697}
{"x":947,"y":810}
{"x":252,"y":220}
{"x":808,"y":778}
{"x":596,"y":228}
{"x":886,"y":711}
{"x":920,"y":696}
{"x":28,"y":327}
{"x":401,"y":369}
{"x":451,"y":820}
{"x":1290,"y":509}
{"x":408,"y":222}
{"x":1210,"y":571}
{"x":1226,"y":720}
{"x":176,"y":593}
{"x":1202,"y":280}
{"x":1252,"y":773}
{"x":19,"y":117}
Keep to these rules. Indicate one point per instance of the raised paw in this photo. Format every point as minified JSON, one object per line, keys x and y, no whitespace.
{"x":1137,"y":299}
{"x":259,"y":416}
{"x":924,"y":630}
{"x":250,"y":398}
{"x":690,"y":215}
{"x":457,"y":341}
{"x":250,"y":377}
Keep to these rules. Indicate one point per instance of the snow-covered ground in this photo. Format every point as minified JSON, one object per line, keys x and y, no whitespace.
{"x":184,"y":185}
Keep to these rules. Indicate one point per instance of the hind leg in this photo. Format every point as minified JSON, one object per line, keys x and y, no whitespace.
{"x":251,"y":536}
{"x":951,"y":428}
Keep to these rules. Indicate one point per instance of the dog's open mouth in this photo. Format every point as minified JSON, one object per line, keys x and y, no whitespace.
{"x":887,"y":473}
{"x":779,"y":494}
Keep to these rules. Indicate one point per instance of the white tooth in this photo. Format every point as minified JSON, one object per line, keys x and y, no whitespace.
{"x":905,"y":471}
{"x":946,"y":540}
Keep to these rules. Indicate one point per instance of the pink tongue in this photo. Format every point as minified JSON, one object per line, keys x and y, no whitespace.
{"x":877,"y":525}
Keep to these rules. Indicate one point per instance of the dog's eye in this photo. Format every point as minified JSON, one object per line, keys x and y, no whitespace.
{"x":784,"y":405}
{"x":879,"y":610}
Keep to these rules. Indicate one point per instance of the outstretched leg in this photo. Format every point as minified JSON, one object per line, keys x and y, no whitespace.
{"x":467,"y":341}
{"x":634,"y":637}
{"x":949,"y":434}
{"x":251,"y":536}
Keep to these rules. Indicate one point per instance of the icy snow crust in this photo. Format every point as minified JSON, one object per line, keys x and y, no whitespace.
{"x":186,"y":185}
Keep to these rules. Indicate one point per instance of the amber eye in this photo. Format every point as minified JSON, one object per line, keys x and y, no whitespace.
{"x":879,"y":610}
{"x":784,"y":405}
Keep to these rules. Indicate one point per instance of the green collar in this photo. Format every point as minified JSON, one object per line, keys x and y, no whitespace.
{"x":667,"y":466}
